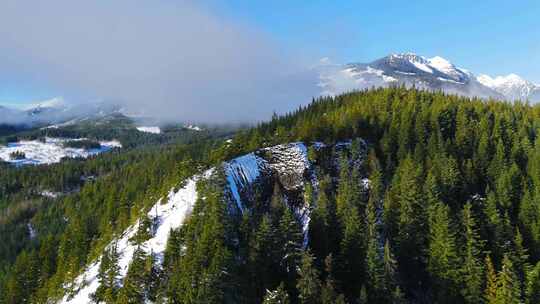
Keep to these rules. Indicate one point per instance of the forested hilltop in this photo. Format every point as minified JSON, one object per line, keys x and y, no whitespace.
{"x":382,"y":196}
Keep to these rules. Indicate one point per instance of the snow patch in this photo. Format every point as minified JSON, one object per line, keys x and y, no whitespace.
{"x":50,"y":151}
{"x":193,"y":127}
{"x":50,"y":194}
{"x":147,"y":129}
{"x":31,"y":231}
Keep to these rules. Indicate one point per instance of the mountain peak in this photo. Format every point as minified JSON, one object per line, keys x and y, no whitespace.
{"x":512,"y":86}
{"x":409,"y":56}
{"x":53,"y":103}
{"x":508,"y":80}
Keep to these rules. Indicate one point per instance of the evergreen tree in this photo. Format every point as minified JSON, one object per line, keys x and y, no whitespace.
{"x":411,"y":237}
{"x":352,"y":256}
{"x":135,"y":283}
{"x":532,"y":286}
{"x":329,"y":294}
{"x":442,"y":256}
{"x":264,"y":256}
{"x":290,"y":241}
{"x":309,"y":284}
{"x":508,"y":289}
{"x":472,"y":270}
{"x":278,"y":296}
{"x":108,"y":276}
{"x":374,"y":259}
{"x":490,"y":292}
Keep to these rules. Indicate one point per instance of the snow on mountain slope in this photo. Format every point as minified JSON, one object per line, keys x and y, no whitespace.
{"x":146,"y":129}
{"x":55,"y":111}
{"x":286,"y":164}
{"x":512,"y":87}
{"x":50,"y":151}
{"x":171,"y":215}
{"x":406,"y":69}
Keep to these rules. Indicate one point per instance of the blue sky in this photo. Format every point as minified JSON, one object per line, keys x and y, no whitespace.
{"x":493,"y":37}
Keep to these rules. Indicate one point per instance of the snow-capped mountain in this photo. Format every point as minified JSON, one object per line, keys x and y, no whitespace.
{"x":410,"y":70}
{"x":55,"y":111}
{"x":512,"y":86}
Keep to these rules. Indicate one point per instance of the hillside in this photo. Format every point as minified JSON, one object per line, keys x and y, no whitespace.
{"x":388,"y":195}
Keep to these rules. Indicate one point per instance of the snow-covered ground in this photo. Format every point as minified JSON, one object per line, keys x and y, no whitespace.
{"x":171,"y":215}
{"x":193,"y":127}
{"x":148,"y":129}
{"x":50,"y":151}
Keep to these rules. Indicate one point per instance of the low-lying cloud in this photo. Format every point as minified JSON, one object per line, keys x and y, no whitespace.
{"x":167,"y":59}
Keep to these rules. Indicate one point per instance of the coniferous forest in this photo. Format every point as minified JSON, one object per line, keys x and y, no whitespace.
{"x":451,"y":213}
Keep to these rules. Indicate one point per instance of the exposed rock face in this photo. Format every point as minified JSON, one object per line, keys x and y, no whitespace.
{"x":254,"y":175}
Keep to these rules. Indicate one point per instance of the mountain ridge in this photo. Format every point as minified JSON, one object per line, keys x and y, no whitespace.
{"x":434,"y":74}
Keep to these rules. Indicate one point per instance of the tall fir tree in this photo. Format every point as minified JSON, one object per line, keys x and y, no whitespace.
{"x":108,"y":276}
{"x":309,"y":284}
{"x":472,"y":268}
{"x":508,"y":287}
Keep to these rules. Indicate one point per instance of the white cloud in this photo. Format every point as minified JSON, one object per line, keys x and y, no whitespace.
{"x":169,"y":59}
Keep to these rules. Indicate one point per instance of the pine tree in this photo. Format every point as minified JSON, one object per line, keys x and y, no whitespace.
{"x":108,"y":276}
{"x":290,"y":242}
{"x":411,"y":237}
{"x":278,"y":296}
{"x":152,"y":277}
{"x":442,"y":256}
{"x":344,"y":196}
{"x":374,"y":260}
{"x":309,"y":284}
{"x":508,"y":289}
{"x":490,"y":292}
{"x":520,"y":256}
{"x":532,"y":285}
{"x":134,"y":286}
{"x":144,"y":230}
{"x":264,"y":256}
{"x":329,"y":294}
{"x":352,"y":253}
{"x":323,"y":222}
{"x":472,"y":270}
{"x":390,"y":269}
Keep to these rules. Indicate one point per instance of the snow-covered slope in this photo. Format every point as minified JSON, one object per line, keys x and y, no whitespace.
{"x":512,"y":87}
{"x":406,"y":69}
{"x":55,"y":111}
{"x":171,"y":214}
{"x":49,"y":151}
{"x":147,"y":129}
